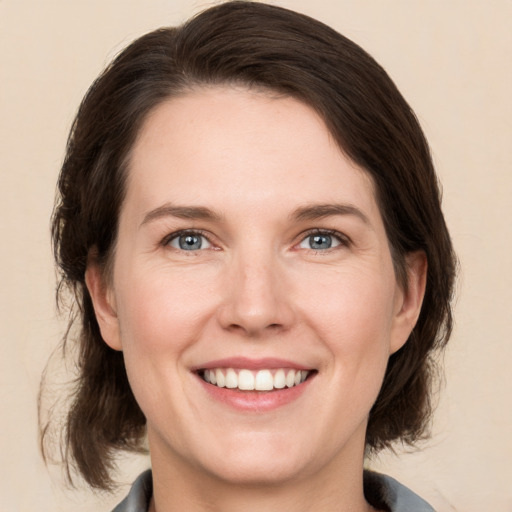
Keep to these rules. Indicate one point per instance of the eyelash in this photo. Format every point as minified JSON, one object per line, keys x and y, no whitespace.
{"x":344,"y":241}
{"x":176,"y":234}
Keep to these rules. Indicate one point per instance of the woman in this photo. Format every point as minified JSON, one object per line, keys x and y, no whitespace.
{"x":250,"y":222}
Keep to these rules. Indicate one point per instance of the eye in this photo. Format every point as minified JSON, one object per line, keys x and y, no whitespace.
{"x":189,"y":241}
{"x":321,"y":241}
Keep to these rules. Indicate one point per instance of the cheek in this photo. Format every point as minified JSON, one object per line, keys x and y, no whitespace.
{"x":160,"y":318}
{"x":352,"y":316}
{"x":160,"y":311}
{"x":351,"y":308}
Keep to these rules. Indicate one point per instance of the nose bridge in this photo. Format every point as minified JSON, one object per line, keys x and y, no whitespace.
{"x":254,"y":299}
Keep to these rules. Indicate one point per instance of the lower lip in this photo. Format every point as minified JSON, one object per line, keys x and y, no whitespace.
{"x":256,"y":401}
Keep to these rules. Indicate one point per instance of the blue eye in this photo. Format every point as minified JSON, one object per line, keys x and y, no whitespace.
{"x":189,"y":242}
{"x":320,"y":242}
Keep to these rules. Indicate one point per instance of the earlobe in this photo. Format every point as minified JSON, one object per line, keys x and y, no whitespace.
{"x":104,"y":306}
{"x":408,"y":307}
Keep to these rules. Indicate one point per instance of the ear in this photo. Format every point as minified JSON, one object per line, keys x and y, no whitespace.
{"x":408,"y":302}
{"x":104,"y":305}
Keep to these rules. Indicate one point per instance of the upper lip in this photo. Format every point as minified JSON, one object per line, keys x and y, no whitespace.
{"x":266,"y":363}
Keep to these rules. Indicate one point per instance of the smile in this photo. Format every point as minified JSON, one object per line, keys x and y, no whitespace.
{"x":251,"y":380}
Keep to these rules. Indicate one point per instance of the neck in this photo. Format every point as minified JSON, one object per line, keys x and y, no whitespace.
{"x":178,"y":487}
{"x":268,"y":500}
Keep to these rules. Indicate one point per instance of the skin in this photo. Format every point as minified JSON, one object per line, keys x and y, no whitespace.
{"x":255,"y":289}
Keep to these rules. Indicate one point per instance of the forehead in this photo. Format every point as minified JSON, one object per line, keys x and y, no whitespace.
{"x":227,"y":143}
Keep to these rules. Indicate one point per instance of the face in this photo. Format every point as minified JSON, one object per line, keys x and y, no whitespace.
{"x":253,"y":292}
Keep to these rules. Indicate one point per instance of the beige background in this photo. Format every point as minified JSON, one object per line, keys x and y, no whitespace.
{"x":451,"y":59}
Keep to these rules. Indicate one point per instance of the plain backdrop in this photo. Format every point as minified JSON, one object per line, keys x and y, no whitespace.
{"x":450,"y":59}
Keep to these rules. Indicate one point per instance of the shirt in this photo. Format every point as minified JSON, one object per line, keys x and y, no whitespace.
{"x":381,"y":491}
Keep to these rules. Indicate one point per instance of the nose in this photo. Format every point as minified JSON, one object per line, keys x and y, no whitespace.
{"x":255,"y":300}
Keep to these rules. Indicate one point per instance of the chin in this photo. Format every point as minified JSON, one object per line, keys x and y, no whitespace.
{"x":266,"y":471}
{"x":261,"y":461}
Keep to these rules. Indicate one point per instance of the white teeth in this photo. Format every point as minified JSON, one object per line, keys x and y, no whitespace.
{"x":279,"y":379}
{"x":231,"y":379}
{"x":262,"y":380}
{"x":290,"y":379}
{"x":221,"y":379}
{"x":245,"y":380}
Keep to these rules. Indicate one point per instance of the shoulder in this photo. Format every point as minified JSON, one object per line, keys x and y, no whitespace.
{"x":386,"y":492}
{"x":139,"y":496}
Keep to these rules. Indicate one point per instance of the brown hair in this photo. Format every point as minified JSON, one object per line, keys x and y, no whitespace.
{"x":263,"y":46}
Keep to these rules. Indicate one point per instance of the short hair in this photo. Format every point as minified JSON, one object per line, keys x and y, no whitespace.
{"x":271,"y":48}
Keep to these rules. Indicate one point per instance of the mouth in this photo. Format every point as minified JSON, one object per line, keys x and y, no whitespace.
{"x":243,"y":379}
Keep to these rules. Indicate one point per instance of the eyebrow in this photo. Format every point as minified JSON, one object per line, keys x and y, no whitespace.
{"x":303,"y":213}
{"x":320,"y":211}
{"x":181,"y":212}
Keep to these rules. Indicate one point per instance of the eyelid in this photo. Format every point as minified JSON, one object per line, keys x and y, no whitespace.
{"x":189,"y":231}
{"x":344,"y":240}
